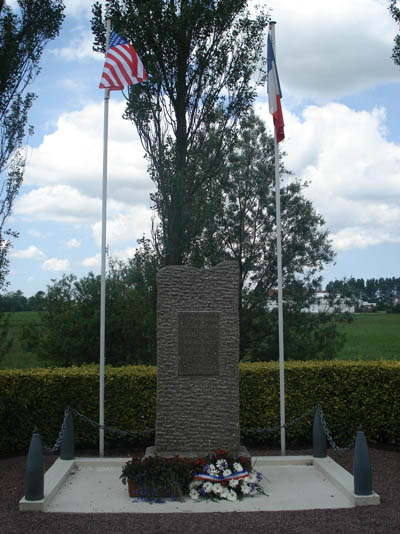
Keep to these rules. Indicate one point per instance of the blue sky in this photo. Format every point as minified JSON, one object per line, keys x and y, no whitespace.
{"x":341,"y":107}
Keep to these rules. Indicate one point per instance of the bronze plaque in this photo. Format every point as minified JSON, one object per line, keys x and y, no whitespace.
{"x":198,"y":343}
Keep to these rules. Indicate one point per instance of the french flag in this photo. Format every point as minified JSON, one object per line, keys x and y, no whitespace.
{"x":274,"y":93}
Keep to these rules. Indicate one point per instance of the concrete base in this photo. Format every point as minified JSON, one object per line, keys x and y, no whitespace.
{"x":92,"y":485}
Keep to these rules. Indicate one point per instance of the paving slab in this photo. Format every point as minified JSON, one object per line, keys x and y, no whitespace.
{"x":92,"y":485}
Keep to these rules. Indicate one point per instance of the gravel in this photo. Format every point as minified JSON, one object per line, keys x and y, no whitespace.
{"x":382,"y":519}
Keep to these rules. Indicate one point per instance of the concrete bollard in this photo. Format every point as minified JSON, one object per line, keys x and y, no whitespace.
{"x":67,"y":443}
{"x":362,"y":466}
{"x":34,"y":477}
{"x":318,"y":437}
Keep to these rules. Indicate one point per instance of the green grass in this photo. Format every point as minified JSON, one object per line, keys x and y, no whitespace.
{"x":17,"y":357}
{"x":372,"y":336}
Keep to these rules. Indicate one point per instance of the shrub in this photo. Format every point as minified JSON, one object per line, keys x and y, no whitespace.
{"x":350,"y":393}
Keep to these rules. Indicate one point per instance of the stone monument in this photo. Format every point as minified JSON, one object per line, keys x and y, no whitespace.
{"x":198,"y":360}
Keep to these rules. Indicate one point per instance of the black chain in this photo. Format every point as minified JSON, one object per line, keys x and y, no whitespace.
{"x":286,"y":425}
{"x":57,"y":444}
{"x":115,"y":430}
{"x":329,"y":436}
{"x":111,"y":428}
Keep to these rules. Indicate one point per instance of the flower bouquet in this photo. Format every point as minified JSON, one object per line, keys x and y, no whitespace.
{"x":154,"y":478}
{"x":220,"y":476}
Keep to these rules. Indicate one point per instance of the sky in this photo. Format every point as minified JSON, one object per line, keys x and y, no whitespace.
{"x":341,"y":109}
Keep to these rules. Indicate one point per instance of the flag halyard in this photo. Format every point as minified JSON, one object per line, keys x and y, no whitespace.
{"x":274,"y":93}
{"x":122,"y":65}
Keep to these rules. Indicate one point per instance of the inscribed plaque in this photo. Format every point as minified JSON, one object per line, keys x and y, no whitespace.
{"x":198,"y":343}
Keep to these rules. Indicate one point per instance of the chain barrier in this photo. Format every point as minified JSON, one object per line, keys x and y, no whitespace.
{"x":111,"y":428}
{"x":278,"y":428}
{"x":317,"y":408}
{"x":329,"y":436}
{"x":57,"y":444}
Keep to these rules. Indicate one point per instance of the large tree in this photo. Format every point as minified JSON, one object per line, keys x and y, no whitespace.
{"x":203,"y":56}
{"x":243,"y":228}
{"x":395,"y":11}
{"x":243,"y":225}
{"x":24,"y":33}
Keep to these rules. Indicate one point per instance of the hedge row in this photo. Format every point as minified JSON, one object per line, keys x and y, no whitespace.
{"x":350,"y":393}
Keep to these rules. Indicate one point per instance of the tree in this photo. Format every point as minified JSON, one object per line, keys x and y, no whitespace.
{"x":243,"y":228}
{"x":69,"y":331}
{"x":395,"y":11}
{"x":23,"y":36}
{"x":203,"y":56}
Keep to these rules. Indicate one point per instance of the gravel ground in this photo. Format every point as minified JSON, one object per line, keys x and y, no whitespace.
{"x":382,"y":519}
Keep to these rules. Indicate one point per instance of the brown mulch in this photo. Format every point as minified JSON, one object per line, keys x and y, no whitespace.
{"x":382,"y":519}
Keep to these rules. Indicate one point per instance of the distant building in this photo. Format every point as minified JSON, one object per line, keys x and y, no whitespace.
{"x":323,"y":303}
{"x":326,"y":303}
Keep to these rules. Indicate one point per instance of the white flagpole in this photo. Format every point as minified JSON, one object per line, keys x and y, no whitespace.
{"x":103,"y":257}
{"x":280,"y":292}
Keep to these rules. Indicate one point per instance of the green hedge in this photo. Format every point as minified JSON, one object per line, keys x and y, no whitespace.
{"x":351,"y":394}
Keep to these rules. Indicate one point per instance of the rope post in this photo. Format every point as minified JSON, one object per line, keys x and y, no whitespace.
{"x":67,"y":443}
{"x":362,"y":466}
{"x":318,"y":436}
{"x":34,"y":477}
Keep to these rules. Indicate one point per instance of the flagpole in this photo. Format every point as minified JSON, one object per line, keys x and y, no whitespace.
{"x":103,"y":257}
{"x":279,"y":266}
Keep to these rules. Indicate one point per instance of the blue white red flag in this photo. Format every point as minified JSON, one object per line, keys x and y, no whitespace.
{"x":274,"y":93}
{"x":122,"y":65}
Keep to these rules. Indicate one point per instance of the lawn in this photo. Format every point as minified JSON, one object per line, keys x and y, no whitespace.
{"x":372,"y":336}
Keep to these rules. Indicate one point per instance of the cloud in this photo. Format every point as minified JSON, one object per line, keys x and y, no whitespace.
{"x":30,"y":253}
{"x":54,"y":264}
{"x":73,"y":243}
{"x":60,"y":203}
{"x":37,"y":233}
{"x":73,"y":156}
{"x":123,"y":227}
{"x":79,"y":47}
{"x":78,"y":9}
{"x":326,"y":49}
{"x":352,"y":169}
{"x":93,"y":261}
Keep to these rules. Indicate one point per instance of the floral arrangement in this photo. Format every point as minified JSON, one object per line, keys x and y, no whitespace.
{"x":221,"y":476}
{"x":155,"y":478}
{"x":215,"y":477}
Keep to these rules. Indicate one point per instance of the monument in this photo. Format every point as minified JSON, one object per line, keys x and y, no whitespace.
{"x":198,"y":360}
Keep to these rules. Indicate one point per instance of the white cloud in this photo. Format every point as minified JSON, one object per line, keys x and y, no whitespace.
{"x":30,"y":253}
{"x":352,"y":169}
{"x":125,"y":253}
{"x":54,"y":264}
{"x":73,"y":156}
{"x":326,"y":49}
{"x":123,"y":227}
{"x":73,"y":243}
{"x":78,"y":9}
{"x":93,"y":261}
{"x":79,"y":47}
{"x":60,"y":203}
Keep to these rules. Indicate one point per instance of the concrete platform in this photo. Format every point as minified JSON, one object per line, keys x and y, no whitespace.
{"x":91,"y":485}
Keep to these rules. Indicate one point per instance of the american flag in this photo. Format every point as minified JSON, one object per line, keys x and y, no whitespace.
{"x":122,"y":65}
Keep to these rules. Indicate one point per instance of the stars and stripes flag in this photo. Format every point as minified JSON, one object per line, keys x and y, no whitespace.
{"x":122,"y":65}
{"x":274,"y":93}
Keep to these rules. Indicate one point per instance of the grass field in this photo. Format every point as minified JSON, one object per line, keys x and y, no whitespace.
{"x":371,"y":336}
